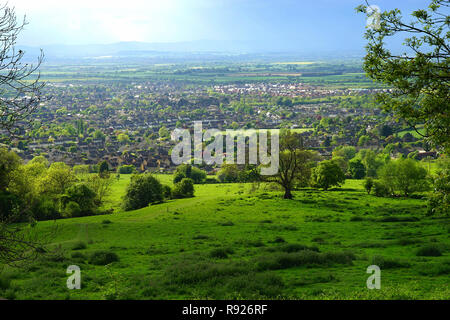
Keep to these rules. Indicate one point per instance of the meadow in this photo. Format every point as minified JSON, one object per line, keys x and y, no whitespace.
{"x":243,"y":241}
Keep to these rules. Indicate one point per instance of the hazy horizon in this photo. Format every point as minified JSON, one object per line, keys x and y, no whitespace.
{"x":246,"y":25}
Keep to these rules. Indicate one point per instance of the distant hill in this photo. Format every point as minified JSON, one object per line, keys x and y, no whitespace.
{"x":59,"y":52}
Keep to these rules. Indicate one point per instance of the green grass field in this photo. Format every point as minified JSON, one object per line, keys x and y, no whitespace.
{"x":242,"y":241}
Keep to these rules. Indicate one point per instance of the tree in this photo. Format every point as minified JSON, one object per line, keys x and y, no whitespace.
{"x":368,"y":184}
{"x":294,"y":163}
{"x":144,"y":189}
{"x":385,"y":131}
{"x":20,"y":94}
{"x":123,"y":138}
{"x":9,"y":162}
{"x":103,"y":169}
{"x":188,"y":171}
{"x":228,"y":173}
{"x":19,"y":98}
{"x":346,"y":152}
{"x":327,"y":174}
{"x":404,"y":175}
{"x":420,"y":77}
{"x":439,"y":202}
{"x":58,"y":178}
{"x":84,"y":197}
{"x":163,"y":133}
{"x":184,"y":189}
{"x":357,"y":169}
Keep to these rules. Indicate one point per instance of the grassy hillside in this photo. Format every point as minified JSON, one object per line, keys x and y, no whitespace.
{"x":244,"y":241}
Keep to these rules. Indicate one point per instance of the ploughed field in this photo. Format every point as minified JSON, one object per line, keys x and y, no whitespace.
{"x":243,"y":241}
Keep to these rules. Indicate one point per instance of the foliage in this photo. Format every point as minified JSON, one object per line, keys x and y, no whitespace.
{"x":347,"y":152}
{"x":439,"y":202}
{"x":379,"y":189}
{"x":183,"y":189}
{"x":419,"y":79}
{"x":126,"y":169}
{"x":80,"y":200}
{"x":144,"y":189}
{"x":357,"y":169}
{"x":228,"y":173}
{"x":404,"y":175}
{"x":295,"y":163}
{"x":327,"y":174}
{"x":368,"y":184}
{"x":191,"y":172}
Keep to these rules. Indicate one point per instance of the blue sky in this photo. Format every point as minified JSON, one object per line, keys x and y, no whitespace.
{"x":282,"y":25}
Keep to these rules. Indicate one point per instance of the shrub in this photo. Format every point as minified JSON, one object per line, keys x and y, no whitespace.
{"x":82,"y":195}
{"x":167,"y":192}
{"x":127,"y":169}
{"x":79,"y":245}
{"x":292,"y":247}
{"x":429,"y":251}
{"x":220,"y":253}
{"x":101,"y":257}
{"x":144,"y":189}
{"x":45,"y":209}
{"x":72,"y":209}
{"x":187,"y":171}
{"x":357,"y":169}
{"x":439,"y":202}
{"x":228,"y":173}
{"x":368,"y":184}
{"x":404,"y":175}
{"x":327,"y":174}
{"x":5,"y":282}
{"x":388,"y":263}
{"x":226,"y":224}
{"x":184,"y":189}
{"x":379,"y":189}
{"x":284,"y":260}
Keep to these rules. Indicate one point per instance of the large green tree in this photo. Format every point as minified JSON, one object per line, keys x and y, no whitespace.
{"x":294,"y":163}
{"x":419,"y":76}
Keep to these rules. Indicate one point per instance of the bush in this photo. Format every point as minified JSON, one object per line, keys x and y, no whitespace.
{"x":8,"y":203}
{"x":228,"y":173}
{"x":357,"y":169}
{"x":429,"y":251}
{"x":220,"y":253}
{"x":183,"y":189}
{"x":45,"y":209}
{"x":144,"y":189}
{"x":327,"y":174}
{"x":284,"y":260}
{"x":79,"y":245}
{"x":404,"y":175}
{"x":187,"y":171}
{"x":84,"y":197}
{"x":388,"y":263}
{"x":439,"y":202}
{"x":101,"y":257}
{"x":292,"y":247}
{"x":167,"y":192}
{"x":368,"y":184}
{"x":127,"y":169}
{"x":72,"y":209}
{"x":379,"y":189}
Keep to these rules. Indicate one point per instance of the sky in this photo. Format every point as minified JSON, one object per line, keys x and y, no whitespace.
{"x":283,"y":25}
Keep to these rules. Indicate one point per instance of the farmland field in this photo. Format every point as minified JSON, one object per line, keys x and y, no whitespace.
{"x":241,"y":241}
